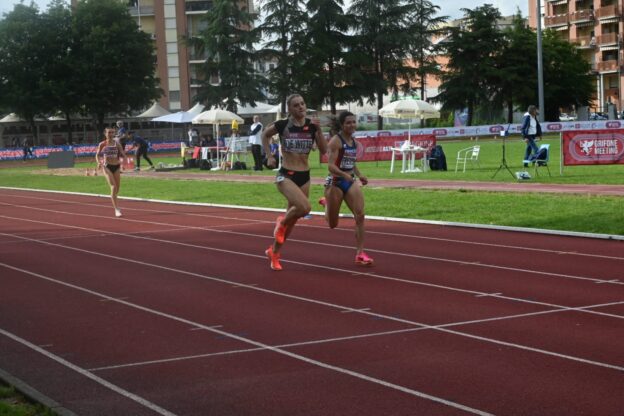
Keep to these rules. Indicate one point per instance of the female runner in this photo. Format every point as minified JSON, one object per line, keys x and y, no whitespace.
{"x":107,"y":156}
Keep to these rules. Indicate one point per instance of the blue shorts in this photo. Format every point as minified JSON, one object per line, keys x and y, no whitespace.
{"x":339,"y":182}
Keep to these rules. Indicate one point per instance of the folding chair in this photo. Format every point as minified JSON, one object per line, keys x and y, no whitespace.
{"x":542,"y":158}
{"x":469,"y":154}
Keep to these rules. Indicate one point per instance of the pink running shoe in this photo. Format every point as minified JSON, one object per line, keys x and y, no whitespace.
{"x":274,"y":258}
{"x":322,"y":201}
{"x":363,"y":259}
{"x":280,"y":230}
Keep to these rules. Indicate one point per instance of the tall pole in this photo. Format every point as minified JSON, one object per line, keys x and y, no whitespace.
{"x":540,"y":67}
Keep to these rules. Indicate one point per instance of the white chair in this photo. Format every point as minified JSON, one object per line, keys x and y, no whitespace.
{"x":469,"y":154}
{"x":236,"y":147}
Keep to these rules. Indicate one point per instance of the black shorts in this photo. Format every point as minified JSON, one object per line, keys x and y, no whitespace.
{"x":300,"y":178}
{"x":113,"y":168}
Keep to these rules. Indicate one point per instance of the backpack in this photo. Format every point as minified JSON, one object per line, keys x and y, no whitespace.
{"x":205,"y":164}
{"x":437,"y":159}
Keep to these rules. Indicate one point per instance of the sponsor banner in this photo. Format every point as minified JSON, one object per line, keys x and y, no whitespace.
{"x":593,"y":147}
{"x":42,"y":152}
{"x":377,"y":145}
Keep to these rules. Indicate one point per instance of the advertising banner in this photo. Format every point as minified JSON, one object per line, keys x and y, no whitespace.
{"x":602,"y":147}
{"x":377,"y":145}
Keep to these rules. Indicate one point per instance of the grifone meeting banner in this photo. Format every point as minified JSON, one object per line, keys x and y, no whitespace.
{"x":377,"y":145}
{"x":593,"y":147}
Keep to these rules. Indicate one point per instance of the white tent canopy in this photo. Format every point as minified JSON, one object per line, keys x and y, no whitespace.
{"x":154,"y":111}
{"x":179,"y":117}
{"x":259,"y":108}
{"x":196,"y":109}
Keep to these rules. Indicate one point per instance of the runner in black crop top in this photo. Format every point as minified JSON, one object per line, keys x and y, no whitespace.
{"x":107,"y":156}
{"x":298,"y":135}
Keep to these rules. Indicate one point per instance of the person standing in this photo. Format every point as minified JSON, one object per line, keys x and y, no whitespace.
{"x":107,"y":156}
{"x":531,"y":130}
{"x":122,"y":134}
{"x":297,"y":135}
{"x":255,"y":139}
{"x":193,"y":135}
{"x":140,"y":146}
{"x":27,"y":147}
{"x":342,"y":183}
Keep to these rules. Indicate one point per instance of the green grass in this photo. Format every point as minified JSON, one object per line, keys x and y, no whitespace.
{"x":595,"y":214}
{"x":14,"y":404}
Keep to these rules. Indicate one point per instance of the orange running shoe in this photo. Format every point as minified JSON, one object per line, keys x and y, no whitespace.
{"x":274,"y":258}
{"x":322,"y":201}
{"x":280,"y":230}
{"x":363,"y":259}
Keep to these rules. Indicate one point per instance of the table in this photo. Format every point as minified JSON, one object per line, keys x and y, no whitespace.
{"x":408,"y":154}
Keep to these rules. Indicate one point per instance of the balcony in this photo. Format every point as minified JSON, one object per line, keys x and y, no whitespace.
{"x":198,"y":6}
{"x":584,"y":42}
{"x":581,"y":16}
{"x":607,"y":12}
{"x":144,"y":11}
{"x":607,"y":66}
{"x":607,"y":39}
{"x":557,"y":20}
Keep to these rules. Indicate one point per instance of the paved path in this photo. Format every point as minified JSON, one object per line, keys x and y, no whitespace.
{"x":617,"y":190}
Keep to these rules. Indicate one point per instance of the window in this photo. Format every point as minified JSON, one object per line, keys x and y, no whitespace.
{"x":174,"y":95}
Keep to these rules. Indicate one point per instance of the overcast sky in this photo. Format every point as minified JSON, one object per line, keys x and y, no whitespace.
{"x":448,"y":7}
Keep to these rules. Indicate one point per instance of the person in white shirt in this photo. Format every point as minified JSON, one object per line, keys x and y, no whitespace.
{"x":193,"y":135}
{"x":255,"y":139}
{"x":531,"y":130}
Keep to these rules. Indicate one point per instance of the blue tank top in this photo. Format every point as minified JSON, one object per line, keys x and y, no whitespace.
{"x":347,"y":155}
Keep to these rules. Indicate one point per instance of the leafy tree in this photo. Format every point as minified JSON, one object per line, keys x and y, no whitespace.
{"x":59,"y":77}
{"x":23,"y":55}
{"x":228,"y":41}
{"x":328,"y":73}
{"x":425,"y":27}
{"x":471,"y":77}
{"x":567,"y":78}
{"x":382,"y":35}
{"x":518,"y":68}
{"x":282,"y":27}
{"x":114,"y":61}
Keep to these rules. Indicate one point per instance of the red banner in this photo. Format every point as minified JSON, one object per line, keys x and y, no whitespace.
{"x":595,"y":147}
{"x":379,"y":146}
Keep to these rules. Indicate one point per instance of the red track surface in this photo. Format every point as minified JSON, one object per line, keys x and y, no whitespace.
{"x":173,"y":309}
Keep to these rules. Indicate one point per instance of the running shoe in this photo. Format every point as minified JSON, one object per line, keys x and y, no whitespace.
{"x":152,"y":167}
{"x":280,"y":230}
{"x":274,"y":258}
{"x":363,"y":259}
{"x":136,"y":169}
{"x":322,"y":201}
{"x":117,"y":213}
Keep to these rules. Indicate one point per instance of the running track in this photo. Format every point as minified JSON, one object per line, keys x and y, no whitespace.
{"x":173,"y":309}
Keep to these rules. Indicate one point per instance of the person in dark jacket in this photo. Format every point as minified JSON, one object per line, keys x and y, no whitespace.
{"x":141,"y":146}
{"x":531,"y":130}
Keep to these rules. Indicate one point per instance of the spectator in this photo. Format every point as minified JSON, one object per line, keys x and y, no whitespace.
{"x":27,"y":145}
{"x":193,"y":136}
{"x":531,"y":131}
{"x":255,"y":139}
{"x":122,"y":134}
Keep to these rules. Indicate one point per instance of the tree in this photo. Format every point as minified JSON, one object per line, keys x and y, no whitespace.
{"x":282,"y":27}
{"x":23,"y":54}
{"x":383,"y":38}
{"x":471,"y":77}
{"x":518,"y":68}
{"x":228,"y":41}
{"x":114,"y":60}
{"x":425,"y":27}
{"x":567,"y":77}
{"x":59,"y":79}
{"x":327,"y":71}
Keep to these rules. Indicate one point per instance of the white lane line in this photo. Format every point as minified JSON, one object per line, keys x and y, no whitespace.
{"x":355,"y":310}
{"x":318,"y":266}
{"x":343,"y":307}
{"x":347,"y":338}
{"x":389,"y":253}
{"x":258,"y":344}
{"x":88,"y":374}
{"x":482,"y":295}
{"x":372,"y":232}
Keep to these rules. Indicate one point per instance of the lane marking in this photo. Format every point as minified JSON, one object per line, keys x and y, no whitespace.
{"x":219,"y":332}
{"x":88,"y":374}
{"x":378,"y":218}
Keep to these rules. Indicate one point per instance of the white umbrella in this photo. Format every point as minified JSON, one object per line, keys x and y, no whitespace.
{"x":216,"y":116}
{"x":409,"y":109}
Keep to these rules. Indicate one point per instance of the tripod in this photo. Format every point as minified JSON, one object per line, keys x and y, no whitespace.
{"x":504,"y":160}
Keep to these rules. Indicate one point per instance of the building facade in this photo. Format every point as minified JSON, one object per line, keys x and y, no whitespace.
{"x":595,"y":27}
{"x":169,"y":22}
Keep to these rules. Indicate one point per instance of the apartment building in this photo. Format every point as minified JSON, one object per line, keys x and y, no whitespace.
{"x":168,"y":22}
{"x":595,"y":27}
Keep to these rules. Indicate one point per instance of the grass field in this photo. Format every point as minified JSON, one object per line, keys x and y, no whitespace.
{"x":584,"y":213}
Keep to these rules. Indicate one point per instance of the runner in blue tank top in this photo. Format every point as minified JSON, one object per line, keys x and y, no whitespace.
{"x":342,"y":182}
